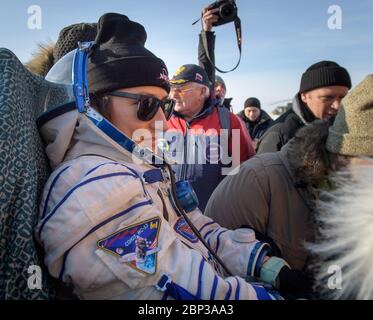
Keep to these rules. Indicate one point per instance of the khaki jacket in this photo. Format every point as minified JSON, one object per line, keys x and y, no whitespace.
{"x":265,"y":195}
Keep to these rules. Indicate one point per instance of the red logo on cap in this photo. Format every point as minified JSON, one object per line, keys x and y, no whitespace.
{"x":199,"y":77}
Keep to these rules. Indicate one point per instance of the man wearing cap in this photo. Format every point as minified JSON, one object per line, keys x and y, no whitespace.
{"x":322,"y":87}
{"x":197,"y":130}
{"x":256,"y":120}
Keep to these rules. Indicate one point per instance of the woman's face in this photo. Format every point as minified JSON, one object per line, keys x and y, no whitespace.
{"x":122,"y":112}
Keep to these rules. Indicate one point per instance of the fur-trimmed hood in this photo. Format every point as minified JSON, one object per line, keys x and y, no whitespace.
{"x":42,"y":60}
{"x":305,"y":154}
{"x":345,"y":239}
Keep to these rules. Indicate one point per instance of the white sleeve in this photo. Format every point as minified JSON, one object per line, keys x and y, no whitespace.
{"x":89,"y":237}
{"x":241,"y":252}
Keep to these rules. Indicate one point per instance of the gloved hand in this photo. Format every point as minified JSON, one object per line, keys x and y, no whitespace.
{"x":276,"y":272}
{"x":296,"y":283}
{"x":270,"y":271}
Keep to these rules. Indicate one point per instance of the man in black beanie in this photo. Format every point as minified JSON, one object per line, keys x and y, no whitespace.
{"x":256,"y":120}
{"x":322,"y":88}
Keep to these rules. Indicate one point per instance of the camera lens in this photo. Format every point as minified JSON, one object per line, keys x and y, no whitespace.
{"x":227,"y":11}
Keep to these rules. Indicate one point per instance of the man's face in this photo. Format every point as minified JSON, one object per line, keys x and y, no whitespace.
{"x":324,"y":102}
{"x":252,"y":113}
{"x":220,"y":90}
{"x":190,"y":99}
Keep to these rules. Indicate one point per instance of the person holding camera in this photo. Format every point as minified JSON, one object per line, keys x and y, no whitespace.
{"x":198,"y":108}
{"x":206,"y":60}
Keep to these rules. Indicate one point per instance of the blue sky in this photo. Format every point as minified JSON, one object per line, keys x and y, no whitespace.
{"x":280,"y":38}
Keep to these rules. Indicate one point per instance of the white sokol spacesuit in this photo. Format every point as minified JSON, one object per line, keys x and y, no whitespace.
{"x":108,"y":223}
{"x":97,"y":203}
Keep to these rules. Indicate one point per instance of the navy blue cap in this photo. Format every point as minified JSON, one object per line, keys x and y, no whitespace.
{"x":190,"y":73}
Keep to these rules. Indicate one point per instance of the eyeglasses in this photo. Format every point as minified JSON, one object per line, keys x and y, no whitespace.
{"x":148,"y":105}
{"x":180,"y":90}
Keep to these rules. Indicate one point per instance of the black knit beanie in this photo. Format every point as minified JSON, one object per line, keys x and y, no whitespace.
{"x":120,"y":59}
{"x":252,"y":102}
{"x":70,"y":36}
{"x":324,"y":74}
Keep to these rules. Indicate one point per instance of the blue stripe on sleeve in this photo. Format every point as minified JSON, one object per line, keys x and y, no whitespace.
{"x":199,"y":288}
{"x":209,"y":239}
{"x":179,"y":293}
{"x":218,"y":240}
{"x":214,"y":286}
{"x":115,"y":163}
{"x":227,"y":296}
{"x":99,"y":166}
{"x":261,"y":293}
{"x":205,"y":225}
{"x":68,"y":194}
{"x":120,"y":164}
{"x":207,"y":234}
{"x":50,"y":191}
{"x":252,"y":259}
{"x":237,"y":295}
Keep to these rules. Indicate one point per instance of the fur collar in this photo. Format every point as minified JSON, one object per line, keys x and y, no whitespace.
{"x":306,"y":155}
{"x":346,"y":235}
{"x":42,"y":60}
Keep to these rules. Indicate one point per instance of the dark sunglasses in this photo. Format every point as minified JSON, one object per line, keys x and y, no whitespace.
{"x":148,"y":105}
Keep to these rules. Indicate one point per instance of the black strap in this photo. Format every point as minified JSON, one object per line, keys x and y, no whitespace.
{"x":225,"y":118}
{"x":237,"y":25}
{"x":165,"y":211}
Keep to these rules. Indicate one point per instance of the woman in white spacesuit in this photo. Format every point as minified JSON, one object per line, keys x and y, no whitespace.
{"x":111,"y":221}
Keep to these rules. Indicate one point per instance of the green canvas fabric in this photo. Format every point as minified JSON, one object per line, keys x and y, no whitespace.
{"x":23,"y":171}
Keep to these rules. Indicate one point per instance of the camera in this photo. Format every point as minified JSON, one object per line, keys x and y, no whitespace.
{"x":227,"y":11}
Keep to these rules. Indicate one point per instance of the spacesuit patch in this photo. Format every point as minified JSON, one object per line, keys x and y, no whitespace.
{"x":136,"y":245}
{"x":182,"y":228}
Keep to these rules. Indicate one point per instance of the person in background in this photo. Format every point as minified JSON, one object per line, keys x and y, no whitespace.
{"x":197,"y":129}
{"x":256,"y":120}
{"x":322,"y":88}
{"x":276,"y":193}
{"x":220,"y":90}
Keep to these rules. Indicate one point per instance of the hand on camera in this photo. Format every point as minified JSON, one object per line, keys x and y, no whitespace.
{"x":208,"y":18}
